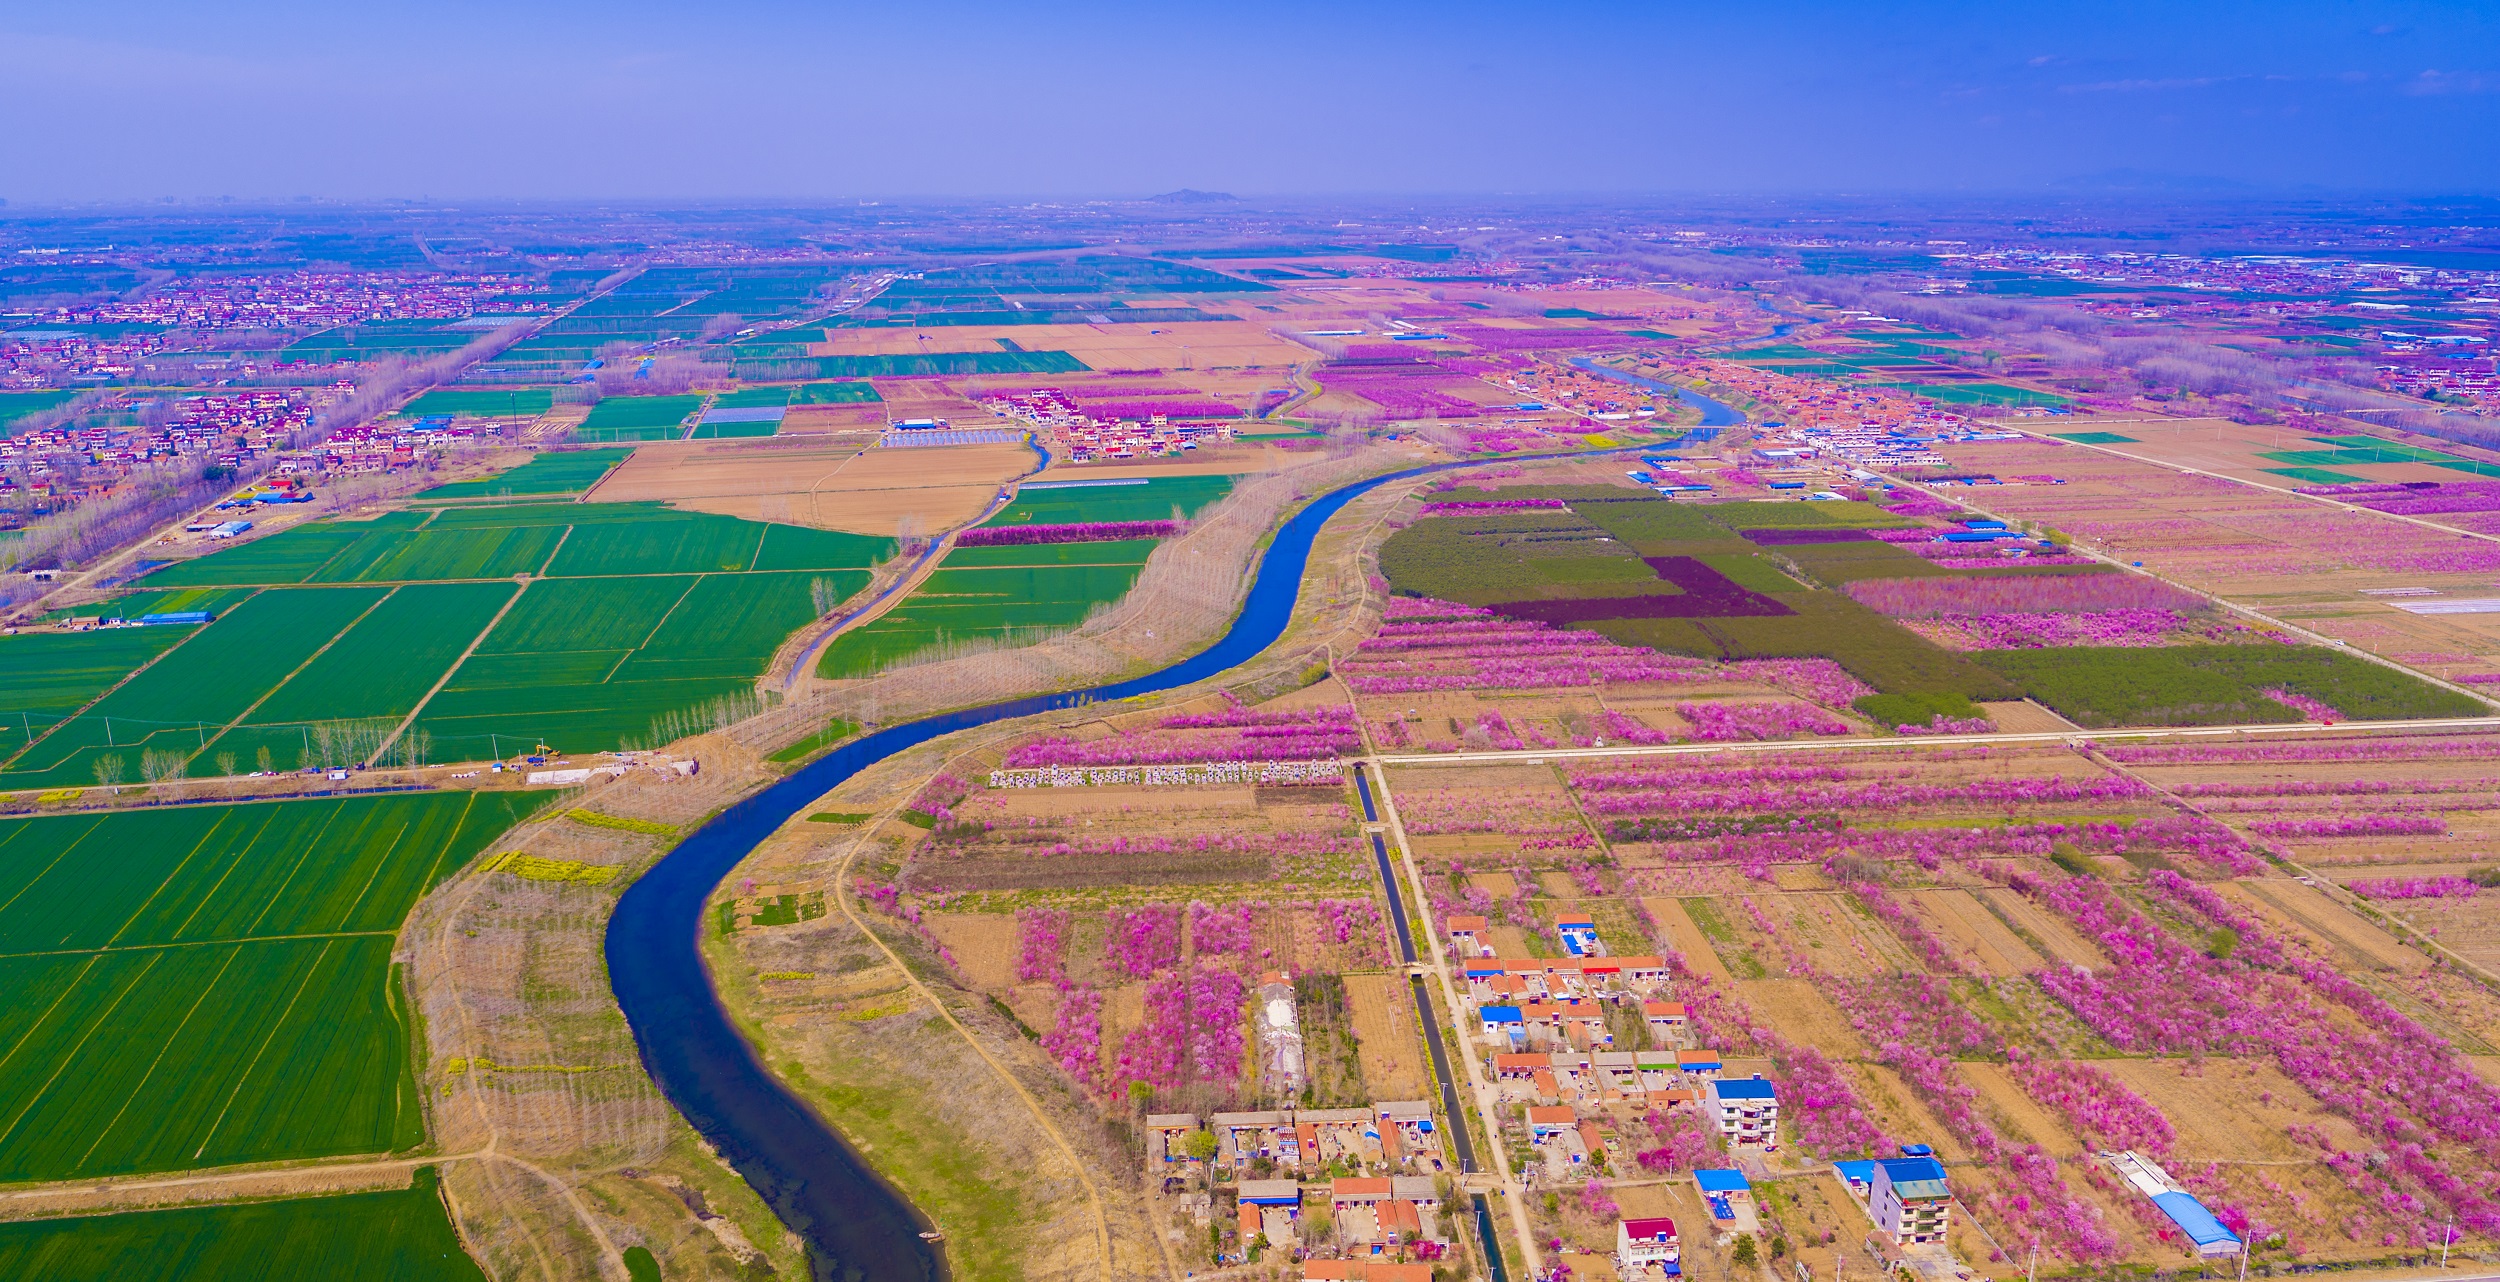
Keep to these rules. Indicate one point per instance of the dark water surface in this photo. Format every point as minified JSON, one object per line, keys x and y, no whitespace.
{"x":857,"y":1228}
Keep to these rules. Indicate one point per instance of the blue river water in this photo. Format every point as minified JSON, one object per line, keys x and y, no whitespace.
{"x":857,"y":1228}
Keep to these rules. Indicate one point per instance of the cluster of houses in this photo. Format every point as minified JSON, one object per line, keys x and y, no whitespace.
{"x":1393,"y":1213}
{"x":1085,"y":438}
{"x":1387,"y":1137}
{"x":300,"y":300}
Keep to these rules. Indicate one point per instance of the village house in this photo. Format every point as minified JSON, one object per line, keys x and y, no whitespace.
{"x":1909,"y":1198}
{"x":1407,"y":1137}
{"x":1747,"y":1111}
{"x":1269,"y":1209}
{"x":1164,"y":1135}
{"x":1646,"y":1248}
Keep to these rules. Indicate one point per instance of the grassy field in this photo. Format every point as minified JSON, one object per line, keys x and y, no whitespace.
{"x":563,"y":472}
{"x":637,"y":418}
{"x":210,"y":985}
{"x":483,"y":402}
{"x":207,"y":681}
{"x":1153,"y":500}
{"x":634,"y":611}
{"x":836,"y":393}
{"x":2216,"y":684}
{"x":16,"y":407}
{"x":992,"y":594}
{"x":404,"y":1235}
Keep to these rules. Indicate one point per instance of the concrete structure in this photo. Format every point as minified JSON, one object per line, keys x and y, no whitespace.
{"x":1746,"y":1110}
{"x":1909,"y":1199}
{"x":1647,"y":1248}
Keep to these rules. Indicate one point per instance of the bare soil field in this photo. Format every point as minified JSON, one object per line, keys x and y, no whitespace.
{"x":1686,"y":938}
{"x":1384,"y":1023}
{"x":2016,"y":1114}
{"x":1975,"y":933}
{"x":1801,"y":1013}
{"x":2022,"y":716}
{"x":984,"y":945}
{"x":2049,"y":930}
{"x":2229,"y":1109}
{"x":792,"y":479}
{"x":2331,"y":924}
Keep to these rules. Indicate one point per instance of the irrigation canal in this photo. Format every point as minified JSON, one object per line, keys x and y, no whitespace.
{"x":857,"y":1227}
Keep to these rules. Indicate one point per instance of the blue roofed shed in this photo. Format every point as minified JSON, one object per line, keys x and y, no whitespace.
{"x":2198,"y":1223}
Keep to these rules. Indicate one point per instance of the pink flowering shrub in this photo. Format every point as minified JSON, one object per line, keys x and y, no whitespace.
{"x":2379,"y":825}
{"x":2042,"y":594}
{"x":1302,"y":734}
{"x":1140,"y":941}
{"x":1942,"y":724}
{"x":1075,"y":1038}
{"x":1228,"y":929}
{"x":1041,"y":943}
{"x":1819,"y":680}
{"x":1726,"y":722}
{"x":2102,"y":1110}
{"x":1080,"y":532}
{"x":1624,"y":729}
{"x":2416,"y":888}
{"x":2304,"y":705}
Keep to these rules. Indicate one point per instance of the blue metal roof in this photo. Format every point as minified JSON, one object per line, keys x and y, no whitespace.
{"x":1499,"y":1014}
{"x":2193,"y":1219}
{"x":1858,"y":1172}
{"x":1905,"y":1169}
{"x":1747,"y":1088}
{"x":1723,"y":1181}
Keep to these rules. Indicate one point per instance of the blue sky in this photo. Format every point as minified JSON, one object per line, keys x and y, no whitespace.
{"x":115,"y":100}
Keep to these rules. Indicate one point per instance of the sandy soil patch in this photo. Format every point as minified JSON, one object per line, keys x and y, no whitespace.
{"x":1802,"y":1014}
{"x":2017,"y":1115}
{"x":1384,"y":1024}
{"x":1686,"y":938}
{"x":2322,"y":916}
{"x":2230,"y":1109}
{"x":2048,"y":928}
{"x":792,"y":479}
{"x":1974,"y":932}
{"x":984,"y":944}
{"x":2022,"y":716}
{"x":1900,"y":1113}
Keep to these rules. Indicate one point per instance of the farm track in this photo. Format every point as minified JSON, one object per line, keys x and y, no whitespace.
{"x":842,"y":881}
{"x":456,"y":664}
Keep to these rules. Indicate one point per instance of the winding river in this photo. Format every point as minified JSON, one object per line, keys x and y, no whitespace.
{"x":857,"y":1227}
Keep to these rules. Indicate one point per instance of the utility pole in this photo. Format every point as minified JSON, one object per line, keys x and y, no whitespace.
{"x":2035,"y":1262}
{"x":2447,"y":1232}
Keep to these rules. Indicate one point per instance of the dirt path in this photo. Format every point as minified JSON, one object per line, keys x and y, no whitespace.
{"x":850,"y":910}
{"x":612,"y":1261}
{"x":462,"y":661}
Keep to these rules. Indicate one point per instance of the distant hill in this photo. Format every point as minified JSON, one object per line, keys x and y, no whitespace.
{"x":1188,"y":196}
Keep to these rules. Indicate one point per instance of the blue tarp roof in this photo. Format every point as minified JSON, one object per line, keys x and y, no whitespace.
{"x":1722,"y":1181}
{"x":2193,"y":1219}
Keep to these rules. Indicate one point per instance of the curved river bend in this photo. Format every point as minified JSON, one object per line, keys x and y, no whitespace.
{"x":857,"y":1228}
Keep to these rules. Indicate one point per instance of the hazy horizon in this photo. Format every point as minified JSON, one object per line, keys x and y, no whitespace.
{"x":634,"y":102}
